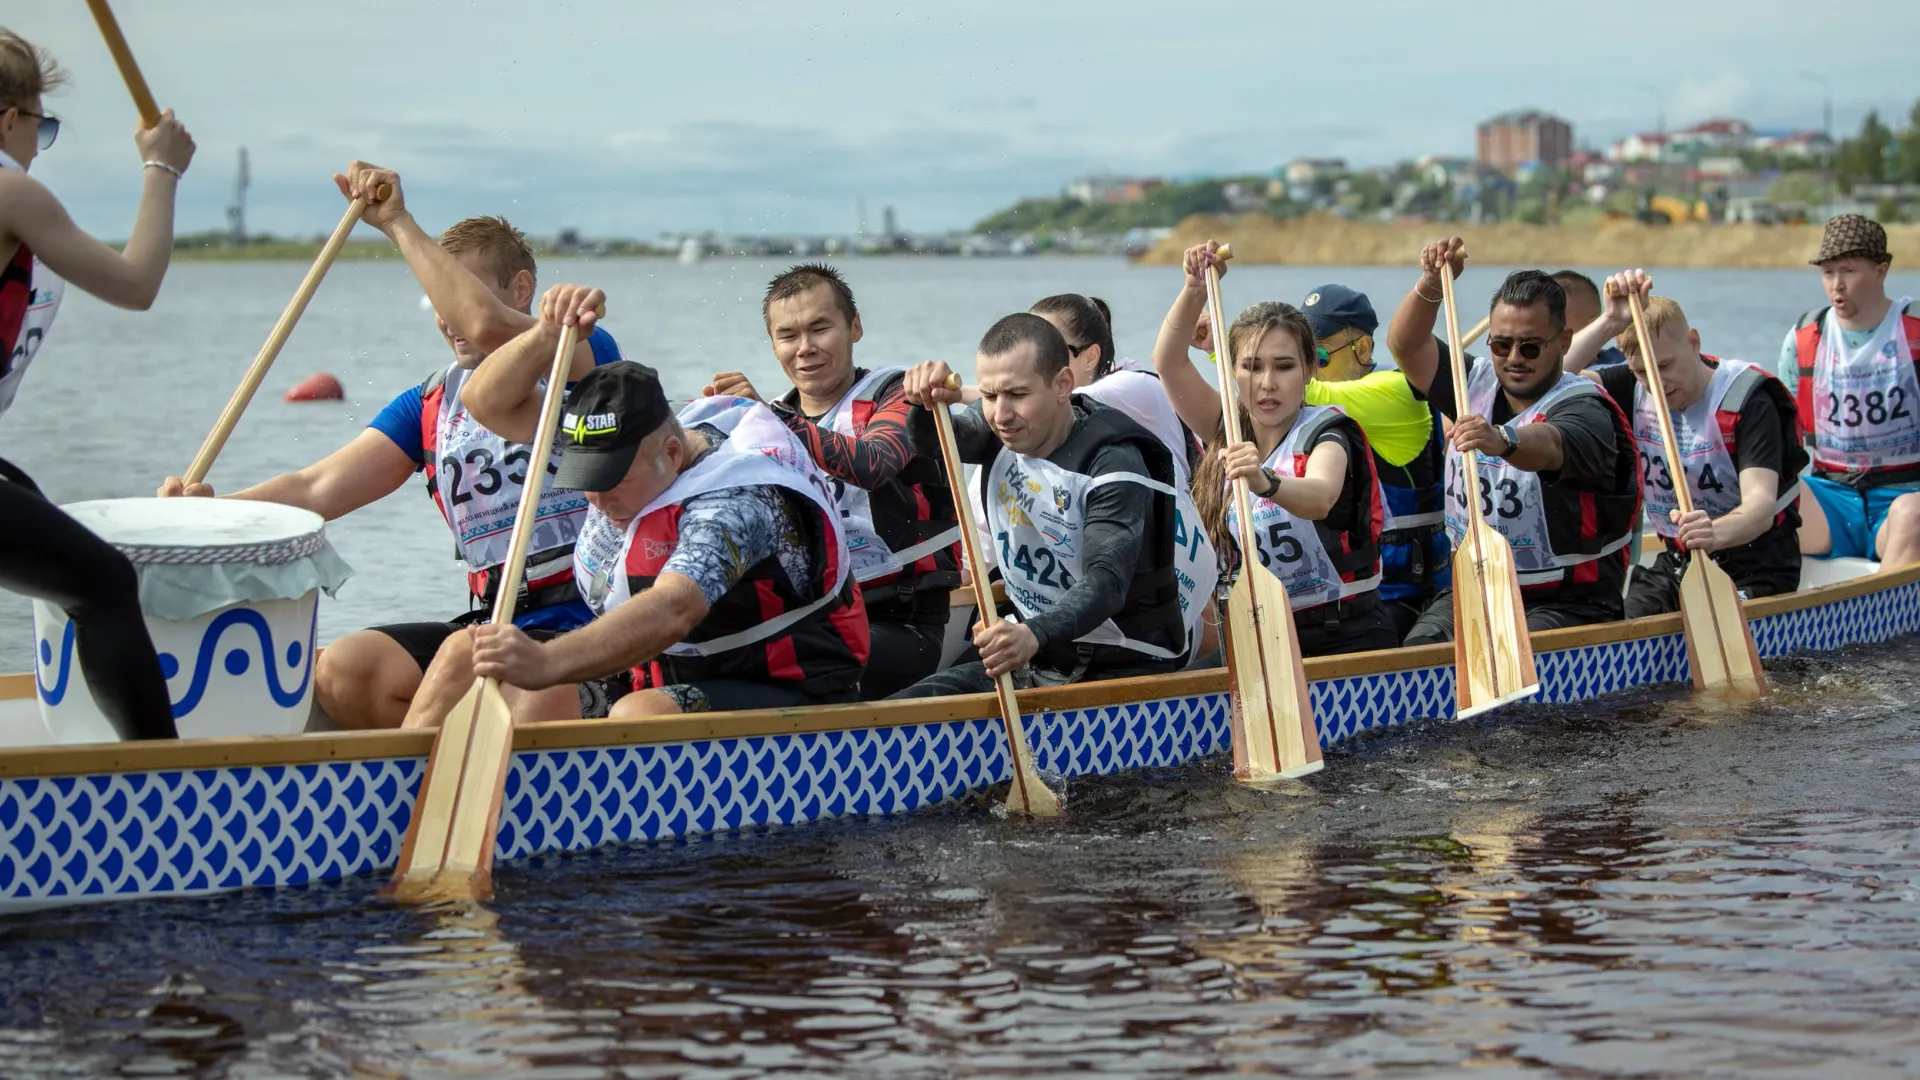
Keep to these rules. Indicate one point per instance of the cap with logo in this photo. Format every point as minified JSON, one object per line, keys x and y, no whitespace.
{"x":1853,"y":234}
{"x":608,"y":412}
{"x":1333,"y":308}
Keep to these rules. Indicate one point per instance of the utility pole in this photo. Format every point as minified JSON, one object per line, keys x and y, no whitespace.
{"x":1660,"y":131}
{"x":1826,"y":125}
{"x":237,"y":210}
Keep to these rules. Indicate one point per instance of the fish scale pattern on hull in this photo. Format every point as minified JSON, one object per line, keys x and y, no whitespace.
{"x":199,"y":831}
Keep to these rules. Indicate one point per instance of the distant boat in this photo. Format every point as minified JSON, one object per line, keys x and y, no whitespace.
{"x":691,"y":250}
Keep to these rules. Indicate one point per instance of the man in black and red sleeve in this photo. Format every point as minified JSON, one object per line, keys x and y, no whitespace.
{"x":895,"y":506}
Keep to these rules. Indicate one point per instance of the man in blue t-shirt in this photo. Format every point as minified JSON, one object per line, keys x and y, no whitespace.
{"x":479,"y":277}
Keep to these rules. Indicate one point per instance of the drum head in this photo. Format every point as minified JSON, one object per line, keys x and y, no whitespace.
{"x":185,"y":531}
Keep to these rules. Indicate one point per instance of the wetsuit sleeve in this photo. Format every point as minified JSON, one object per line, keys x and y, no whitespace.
{"x":874,"y":457}
{"x":1587,"y":444}
{"x":1618,"y":381}
{"x":400,"y":421}
{"x":1756,"y":438}
{"x":972,"y":436}
{"x":723,"y":534}
{"x":605,"y":349}
{"x":1116,"y":521}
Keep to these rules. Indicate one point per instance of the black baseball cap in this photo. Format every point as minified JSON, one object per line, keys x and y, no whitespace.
{"x":1333,"y":308}
{"x":608,"y":412}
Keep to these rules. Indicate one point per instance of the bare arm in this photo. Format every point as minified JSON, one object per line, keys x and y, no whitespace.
{"x":632,"y":633}
{"x":365,"y":470}
{"x":1759,"y":491}
{"x":504,"y":391}
{"x":127,"y":279}
{"x":1195,"y":401}
{"x":1410,"y":335}
{"x":1541,"y":449}
{"x":1312,"y":496}
{"x":1615,"y":318}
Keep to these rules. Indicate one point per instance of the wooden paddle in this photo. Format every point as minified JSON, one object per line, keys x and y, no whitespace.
{"x":448,"y":853}
{"x":123,"y":59}
{"x":1029,"y":794}
{"x":1720,"y":648}
{"x":1492,"y":654}
{"x":1271,"y":716}
{"x":243,"y":394}
{"x":1474,"y":334}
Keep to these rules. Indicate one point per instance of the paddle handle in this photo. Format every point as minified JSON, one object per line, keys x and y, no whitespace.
{"x":1469,"y":460}
{"x":1229,"y":400}
{"x":1658,"y":392}
{"x":123,"y":59}
{"x":1022,"y":758}
{"x":514,"y":571}
{"x":243,"y":394}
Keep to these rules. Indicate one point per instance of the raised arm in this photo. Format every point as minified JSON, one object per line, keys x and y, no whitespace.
{"x":131,"y":278}
{"x":1195,"y":400}
{"x":504,"y":391}
{"x":1615,"y":317}
{"x":925,"y":387}
{"x":463,"y":301}
{"x":1410,"y":335}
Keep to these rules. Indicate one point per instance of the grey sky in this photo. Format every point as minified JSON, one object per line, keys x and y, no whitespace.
{"x":625,"y":117}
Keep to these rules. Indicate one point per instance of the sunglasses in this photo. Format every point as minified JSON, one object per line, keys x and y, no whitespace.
{"x":49,"y":127}
{"x":1502,"y":347}
{"x":1074,"y":351}
{"x":1325,"y":355}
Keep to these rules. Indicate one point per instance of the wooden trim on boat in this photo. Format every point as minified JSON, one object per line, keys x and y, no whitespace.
{"x":577,"y":734}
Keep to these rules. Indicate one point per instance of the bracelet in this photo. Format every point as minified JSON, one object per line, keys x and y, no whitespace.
{"x":162,"y":165}
{"x":1429,"y":299}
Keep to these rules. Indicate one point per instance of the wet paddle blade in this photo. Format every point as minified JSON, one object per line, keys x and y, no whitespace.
{"x":448,"y":853}
{"x":1493,"y":656}
{"x":1274,"y":734}
{"x":1028,"y":794}
{"x":1720,"y":647}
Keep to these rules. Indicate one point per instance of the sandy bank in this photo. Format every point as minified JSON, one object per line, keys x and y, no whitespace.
{"x":1324,"y":240}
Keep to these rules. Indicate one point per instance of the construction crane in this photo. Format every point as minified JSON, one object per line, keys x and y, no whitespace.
{"x":237,"y":209}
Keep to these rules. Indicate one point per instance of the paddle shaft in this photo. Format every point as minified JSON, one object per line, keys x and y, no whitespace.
{"x":123,"y":59}
{"x":514,"y":571}
{"x":243,"y":394}
{"x":1470,"y":460}
{"x":1657,"y":390}
{"x":1017,"y":749}
{"x":1229,"y":404}
{"x":1474,"y":334}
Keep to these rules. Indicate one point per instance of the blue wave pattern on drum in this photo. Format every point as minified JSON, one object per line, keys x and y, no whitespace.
{"x":43,"y":658}
{"x":238,"y":661}
{"x":207,"y":830}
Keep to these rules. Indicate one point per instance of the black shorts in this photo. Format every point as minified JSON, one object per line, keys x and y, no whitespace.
{"x":715,"y":695}
{"x":422,"y":640}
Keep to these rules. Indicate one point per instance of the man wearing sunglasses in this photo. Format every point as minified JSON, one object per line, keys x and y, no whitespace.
{"x":43,"y":552}
{"x":1559,"y":468}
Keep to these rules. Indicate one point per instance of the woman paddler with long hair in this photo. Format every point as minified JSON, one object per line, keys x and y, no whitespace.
{"x":1317,"y":506}
{"x":44,"y":553}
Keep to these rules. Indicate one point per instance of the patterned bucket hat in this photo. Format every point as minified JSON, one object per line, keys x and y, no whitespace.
{"x":1852,"y":234}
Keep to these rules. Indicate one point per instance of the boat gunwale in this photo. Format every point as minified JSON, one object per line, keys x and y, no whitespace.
{"x":319,"y":748}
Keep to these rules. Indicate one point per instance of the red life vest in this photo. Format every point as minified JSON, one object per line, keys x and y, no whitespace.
{"x":16,"y":292}
{"x":821,"y":654}
{"x":549,"y":573}
{"x":910,"y":512}
{"x":1806,"y":347}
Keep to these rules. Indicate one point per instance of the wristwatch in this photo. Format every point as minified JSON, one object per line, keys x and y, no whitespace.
{"x":1273,"y":482}
{"x":1508,"y":433}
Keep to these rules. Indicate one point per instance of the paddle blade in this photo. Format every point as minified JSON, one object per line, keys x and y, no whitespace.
{"x":1492,"y":654}
{"x":448,"y":854}
{"x":1028,"y":794}
{"x":1274,"y":734}
{"x":1720,"y":647}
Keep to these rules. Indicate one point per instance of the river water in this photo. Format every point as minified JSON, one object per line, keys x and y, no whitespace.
{"x":1636,"y":887}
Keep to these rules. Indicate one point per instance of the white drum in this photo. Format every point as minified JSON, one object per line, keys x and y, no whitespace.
{"x":231,"y":594}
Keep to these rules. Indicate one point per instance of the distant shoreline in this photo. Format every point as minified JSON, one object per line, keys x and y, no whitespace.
{"x":1325,"y":240}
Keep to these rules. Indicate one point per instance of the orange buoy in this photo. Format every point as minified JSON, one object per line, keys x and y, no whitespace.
{"x":319,"y":386}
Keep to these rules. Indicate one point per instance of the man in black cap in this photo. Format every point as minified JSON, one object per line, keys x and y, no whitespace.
{"x":712,"y":555}
{"x":1852,"y":365}
{"x":1409,"y":450}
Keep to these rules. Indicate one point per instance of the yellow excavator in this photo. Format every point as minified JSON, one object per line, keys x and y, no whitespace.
{"x":1667,"y":210}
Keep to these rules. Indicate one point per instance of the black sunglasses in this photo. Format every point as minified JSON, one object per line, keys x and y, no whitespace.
{"x":1502,"y":346}
{"x":49,"y":127}
{"x":1325,"y":355}
{"x":1074,"y":351}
